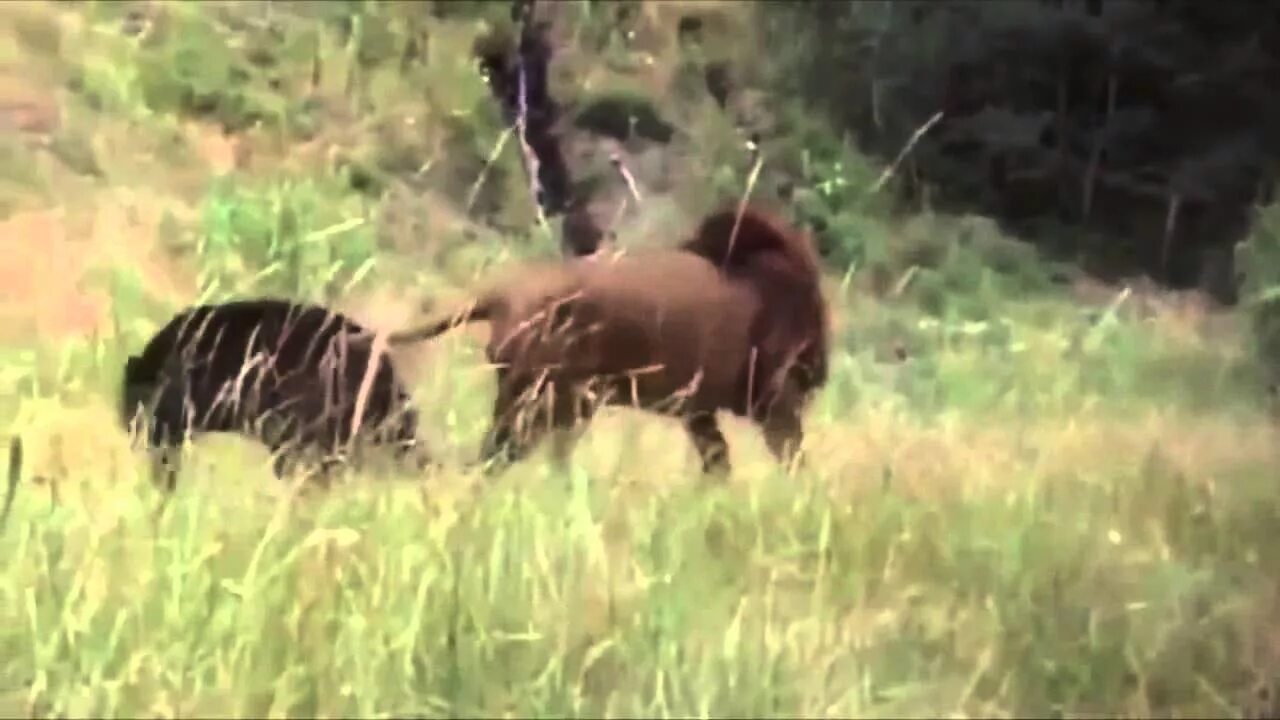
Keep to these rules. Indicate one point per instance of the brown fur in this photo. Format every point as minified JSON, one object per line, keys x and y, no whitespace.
{"x":732,"y":319}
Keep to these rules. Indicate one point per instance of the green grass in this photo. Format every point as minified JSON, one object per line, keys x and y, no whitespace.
{"x":1046,"y":509}
{"x":1061,"y":549}
{"x":298,"y":239}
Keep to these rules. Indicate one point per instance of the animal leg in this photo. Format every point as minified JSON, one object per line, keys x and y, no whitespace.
{"x":571,"y":412}
{"x":282,"y":462}
{"x":410,"y":453}
{"x":503,"y":446}
{"x":280,"y":432}
{"x":563,"y":442}
{"x":329,"y":467}
{"x":285,"y":445}
{"x":408,"y":448}
{"x":337,"y":450}
{"x":508,"y":439}
{"x":313,"y":457}
{"x":783,"y":434}
{"x":164,"y":473}
{"x":164,"y":467}
{"x":712,"y":448}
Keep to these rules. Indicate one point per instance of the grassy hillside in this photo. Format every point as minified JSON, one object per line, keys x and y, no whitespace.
{"x":1024,"y":497}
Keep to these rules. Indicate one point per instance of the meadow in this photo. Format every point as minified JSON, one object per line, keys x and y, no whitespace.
{"x":1018,"y":500}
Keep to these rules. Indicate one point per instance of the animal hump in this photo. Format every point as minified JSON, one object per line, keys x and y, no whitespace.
{"x":757,"y":233}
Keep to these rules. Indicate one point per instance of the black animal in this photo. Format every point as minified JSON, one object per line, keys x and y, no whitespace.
{"x":282,"y":372}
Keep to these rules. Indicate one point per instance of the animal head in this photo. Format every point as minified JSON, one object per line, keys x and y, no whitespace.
{"x":135,"y":391}
{"x":792,"y":335}
{"x":152,"y":400}
{"x":753,"y":238}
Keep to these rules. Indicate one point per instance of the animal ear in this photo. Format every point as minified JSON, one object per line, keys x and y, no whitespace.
{"x":131,"y":366}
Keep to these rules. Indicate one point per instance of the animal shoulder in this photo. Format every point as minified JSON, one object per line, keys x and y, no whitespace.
{"x":657,"y":273}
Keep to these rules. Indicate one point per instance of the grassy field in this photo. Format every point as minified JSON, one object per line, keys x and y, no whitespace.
{"x":1051,"y":507}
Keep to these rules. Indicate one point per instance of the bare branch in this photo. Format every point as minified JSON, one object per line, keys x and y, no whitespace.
{"x":890,"y":171}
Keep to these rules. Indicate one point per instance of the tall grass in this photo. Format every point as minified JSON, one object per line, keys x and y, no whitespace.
{"x":1038,"y":509}
{"x":294,"y":238}
{"x":539,"y":599}
{"x":1094,"y":549}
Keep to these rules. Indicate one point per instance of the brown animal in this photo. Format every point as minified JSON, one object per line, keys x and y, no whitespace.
{"x":732,"y":319}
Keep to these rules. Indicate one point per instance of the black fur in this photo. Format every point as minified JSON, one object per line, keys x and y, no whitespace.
{"x":282,"y":372}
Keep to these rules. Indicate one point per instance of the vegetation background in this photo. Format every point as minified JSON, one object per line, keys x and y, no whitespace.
{"x":1044,"y":472}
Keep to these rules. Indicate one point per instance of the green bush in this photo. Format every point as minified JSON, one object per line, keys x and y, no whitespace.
{"x":308,"y":239}
{"x":1260,"y":261}
{"x":832,"y":190}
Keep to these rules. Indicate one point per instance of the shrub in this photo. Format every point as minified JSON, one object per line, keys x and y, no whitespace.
{"x":307,"y":239}
{"x":1260,"y":261}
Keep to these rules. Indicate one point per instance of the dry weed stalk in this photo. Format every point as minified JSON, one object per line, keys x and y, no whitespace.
{"x":757,"y":164}
{"x":15,"y":474}
{"x":892,"y":170}
{"x":484,"y":171}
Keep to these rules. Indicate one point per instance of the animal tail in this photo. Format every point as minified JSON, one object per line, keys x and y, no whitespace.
{"x":478,"y":311}
{"x":15,"y":474}
{"x":734,"y":237}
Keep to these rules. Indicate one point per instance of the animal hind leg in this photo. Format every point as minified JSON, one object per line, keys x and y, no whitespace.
{"x":510,"y":437}
{"x":408,"y":447}
{"x":563,"y":442}
{"x":712,"y":448}
{"x":299,"y":449}
{"x":783,"y":434}
{"x":411,"y":453}
{"x":504,"y":445}
{"x":338,"y":450}
{"x":566,"y":433}
{"x":570,"y":414}
{"x":280,"y":435}
{"x":165,"y":463}
{"x":314,"y":460}
{"x":282,"y":461}
{"x":330,"y":466}
{"x":164,"y":473}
